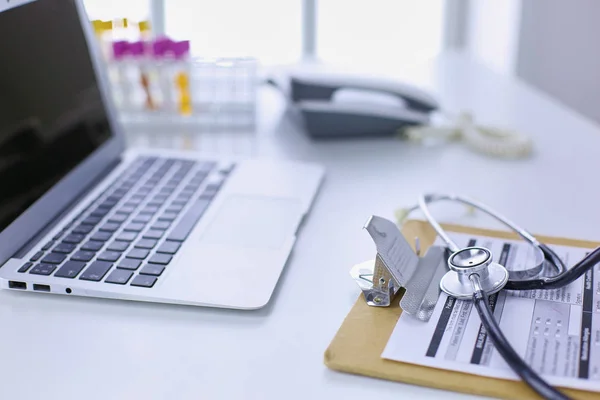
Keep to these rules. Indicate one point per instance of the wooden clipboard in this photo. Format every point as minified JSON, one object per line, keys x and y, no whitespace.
{"x":359,"y":343}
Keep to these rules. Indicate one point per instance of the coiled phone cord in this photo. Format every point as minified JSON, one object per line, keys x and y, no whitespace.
{"x":490,"y":141}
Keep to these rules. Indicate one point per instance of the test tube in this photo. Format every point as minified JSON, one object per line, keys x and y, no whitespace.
{"x":122,"y":67}
{"x":138,"y":52}
{"x":181,"y":52}
{"x":161,"y":53}
{"x":104,"y":31}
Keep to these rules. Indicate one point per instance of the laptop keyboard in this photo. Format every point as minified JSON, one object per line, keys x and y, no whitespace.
{"x":130,"y":234}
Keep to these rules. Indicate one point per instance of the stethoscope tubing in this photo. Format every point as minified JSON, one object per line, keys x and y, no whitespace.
{"x":503,"y":346}
{"x":480,"y":299}
{"x":561,"y":278}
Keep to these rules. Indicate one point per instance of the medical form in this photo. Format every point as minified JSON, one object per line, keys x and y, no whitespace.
{"x":557,"y":332}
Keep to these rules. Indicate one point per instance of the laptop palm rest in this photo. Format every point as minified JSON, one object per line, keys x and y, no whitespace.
{"x":253,"y":222}
{"x":242,"y":250}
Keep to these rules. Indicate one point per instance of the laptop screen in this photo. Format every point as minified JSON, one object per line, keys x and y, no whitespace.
{"x":51,"y":113}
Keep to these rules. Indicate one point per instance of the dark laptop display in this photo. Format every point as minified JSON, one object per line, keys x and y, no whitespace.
{"x":51,"y":112}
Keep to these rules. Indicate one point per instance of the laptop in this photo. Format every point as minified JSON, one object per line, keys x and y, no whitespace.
{"x":81,"y":215}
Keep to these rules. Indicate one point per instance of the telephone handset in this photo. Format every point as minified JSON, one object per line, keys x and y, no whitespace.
{"x":337,"y":105}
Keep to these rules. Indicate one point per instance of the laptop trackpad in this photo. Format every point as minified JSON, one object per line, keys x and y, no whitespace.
{"x":253,"y":222}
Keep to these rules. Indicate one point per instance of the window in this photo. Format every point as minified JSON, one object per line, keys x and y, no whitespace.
{"x":386,"y":30}
{"x":267,"y":29}
{"x":272,"y":30}
{"x":135,"y":10}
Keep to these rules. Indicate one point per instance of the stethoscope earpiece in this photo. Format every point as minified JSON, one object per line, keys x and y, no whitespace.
{"x":469,"y":261}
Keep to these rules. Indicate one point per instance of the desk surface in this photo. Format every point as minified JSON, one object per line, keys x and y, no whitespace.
{"x":70,"y":348}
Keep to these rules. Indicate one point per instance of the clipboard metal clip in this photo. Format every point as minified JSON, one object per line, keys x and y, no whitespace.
{"x":378,"y":286}
{"x":397,"y":266}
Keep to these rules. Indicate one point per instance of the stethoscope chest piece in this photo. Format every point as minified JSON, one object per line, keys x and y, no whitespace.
{"x":470,"y":261}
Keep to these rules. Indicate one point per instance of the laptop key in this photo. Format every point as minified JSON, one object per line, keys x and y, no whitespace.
{"x":64,"y":248}
{"x":70,"y":269}
{"x":43,"y":269}
{"x":92,"y":245}
{"x":189,"y":220}
{"x":146,"y":281}
{"x":135,"y":227}
{"x":169,"y":247}
{"x":83,"y":228}
{"x":175,"y":208}
{"x":118,"y":246}
{"x":143,"y":218}
{"x":182,"y":197}
{"x":126,"y":210}
{"x":213,"y":186}
{"x":167,"y":216}
{"x":100,"y":212}
{"x":96,"y":271}
{"x":101,"y":236}
{"x":139,"y":254}
{"x":133,"y":203}
{"x":152,"y":269}
{"x":48,"y":245}
{"x":118,"y":218}
{"x":149,"y":210}
{"x":153,"y":234}
{"x":119,"y":277}
{"x":36,"y":256}
{"x":74,"y":238}
{"x":208,"y":166}
{"x":91,"y":220}
{"x":54,"y":258}
{"x":25,"y":267}
{"x":129,"y":263}
{"x":115,"y":197}
{"x":110,"y":227}
{"x":208,"y":195}
{"x":162,"y":259}
{"x":109,"y":203}
{"x":83,"y":255}
{"x":161,"y":225}
{"x":59,"y":234}
{"x":126,"y":237}
{"x":146,"y":243}
{"x":109,"y":256}
{"x":197,"y":181}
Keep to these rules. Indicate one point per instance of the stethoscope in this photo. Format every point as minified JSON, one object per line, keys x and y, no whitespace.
{"x":474,"y":275}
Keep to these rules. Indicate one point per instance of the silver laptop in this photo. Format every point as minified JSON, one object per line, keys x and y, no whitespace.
{"x":81,"y":216}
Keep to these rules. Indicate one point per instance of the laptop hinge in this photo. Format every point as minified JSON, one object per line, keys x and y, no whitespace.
{"x":61,"y":215}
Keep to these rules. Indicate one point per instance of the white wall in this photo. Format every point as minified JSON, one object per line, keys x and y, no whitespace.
{"x":559,"y":51}
{"x":493,"y":33}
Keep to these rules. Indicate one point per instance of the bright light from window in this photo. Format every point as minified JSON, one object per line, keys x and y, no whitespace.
{"x":379,"y":30}
{"x":135,"y":10}
{"x":270,"y":30}
{"x":374,"y":31}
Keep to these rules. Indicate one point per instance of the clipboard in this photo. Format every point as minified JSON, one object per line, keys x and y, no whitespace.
{"x":362,"y":337}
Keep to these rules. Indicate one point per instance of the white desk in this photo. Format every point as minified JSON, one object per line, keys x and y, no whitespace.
{"x":60,"y":348}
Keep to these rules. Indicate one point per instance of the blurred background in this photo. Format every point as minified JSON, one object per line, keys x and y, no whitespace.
{"x":543,"y":42}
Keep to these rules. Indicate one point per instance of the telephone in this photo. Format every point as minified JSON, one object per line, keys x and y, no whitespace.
{"x":336,"y":105}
